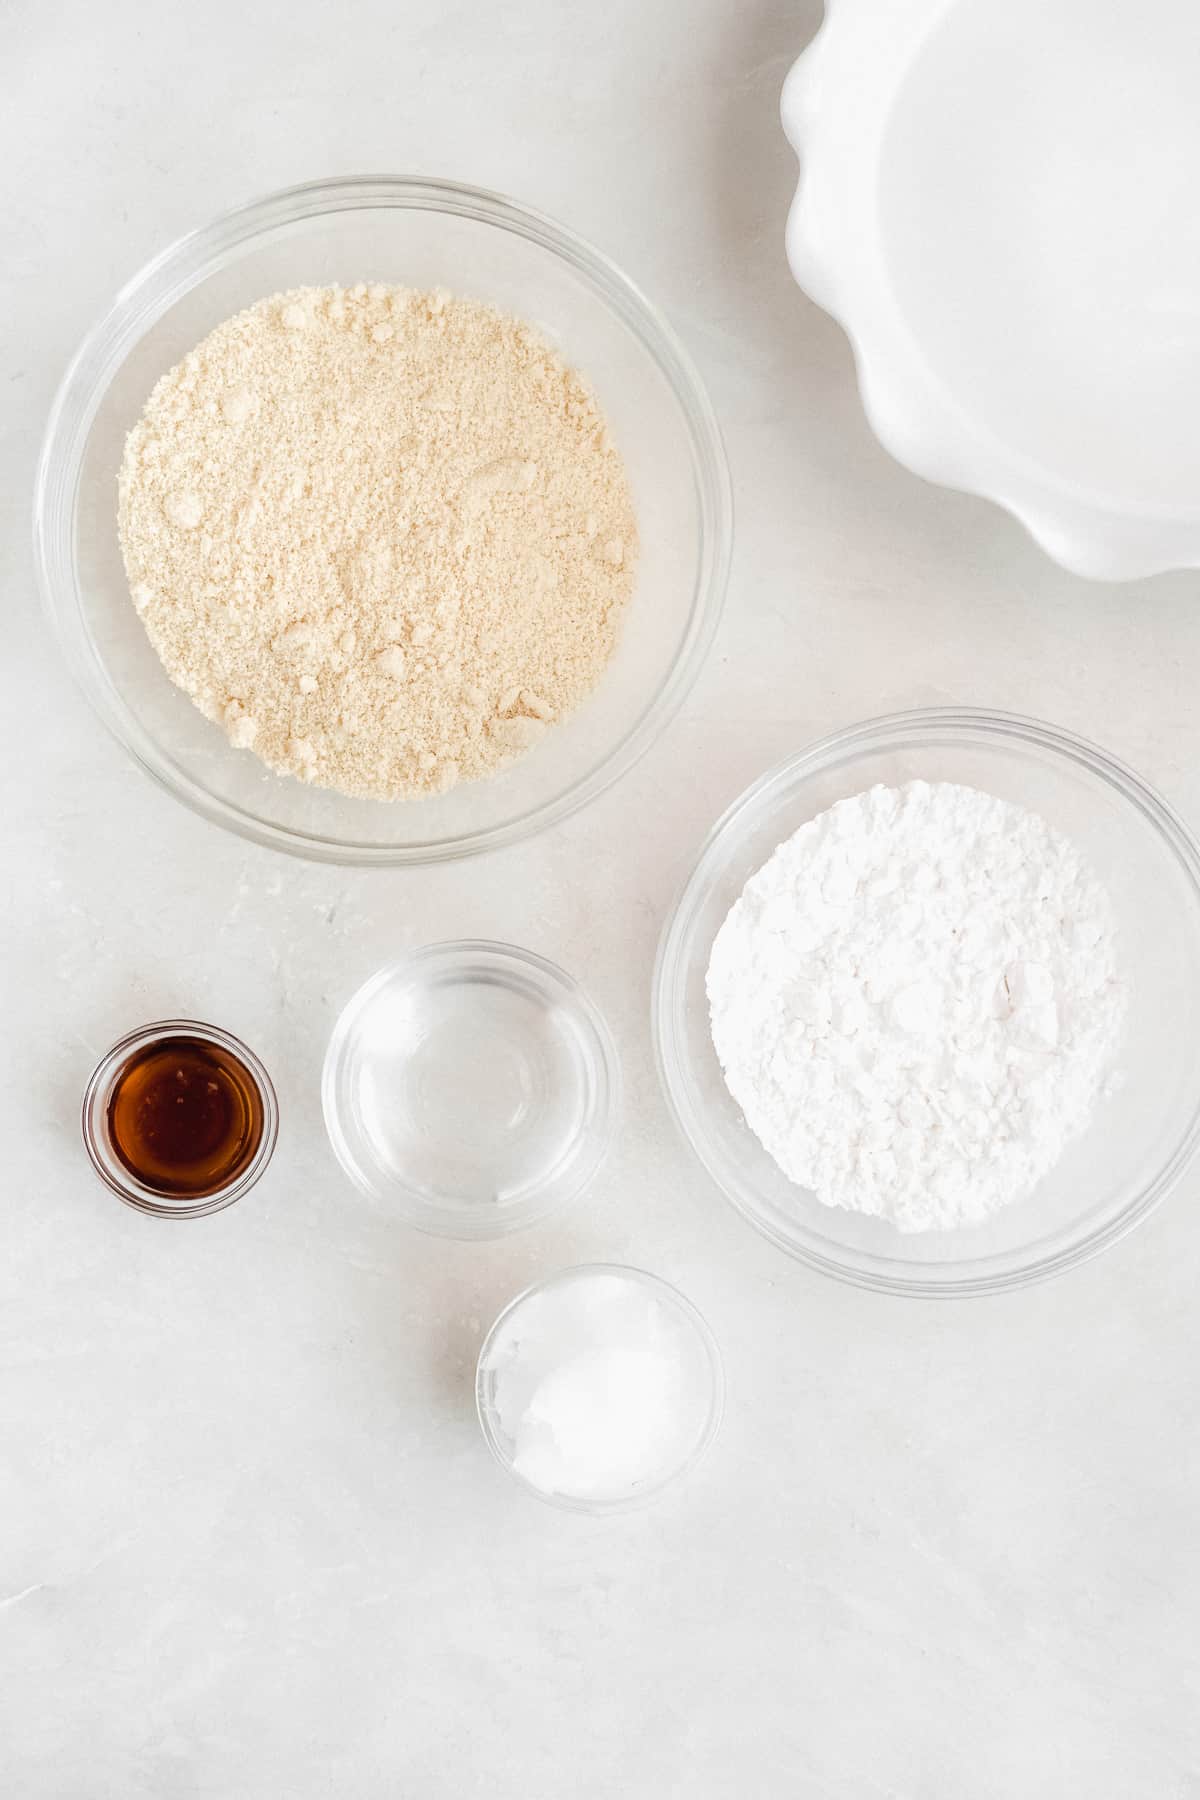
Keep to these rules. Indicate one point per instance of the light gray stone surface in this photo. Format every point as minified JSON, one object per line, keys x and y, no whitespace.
{"x":251,"y":1544}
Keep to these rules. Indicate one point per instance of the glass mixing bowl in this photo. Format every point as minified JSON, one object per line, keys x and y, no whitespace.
{"x":420,"y":234}
{"x":597,"y":1295}
{"x":1142,"y":1137}
{"x":471,"y":1088}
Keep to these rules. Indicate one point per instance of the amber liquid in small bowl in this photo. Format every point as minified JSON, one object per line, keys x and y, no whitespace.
{"x":185,"y":1117}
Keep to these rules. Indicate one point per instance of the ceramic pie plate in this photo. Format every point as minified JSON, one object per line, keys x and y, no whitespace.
{"x":998,"y":204}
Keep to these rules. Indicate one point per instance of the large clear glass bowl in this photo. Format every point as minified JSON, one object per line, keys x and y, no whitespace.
{"x":421,"y":234}
{"x":1141,"y":1138}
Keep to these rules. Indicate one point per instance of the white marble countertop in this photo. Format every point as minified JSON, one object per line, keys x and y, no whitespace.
{"x":251,"y":1544}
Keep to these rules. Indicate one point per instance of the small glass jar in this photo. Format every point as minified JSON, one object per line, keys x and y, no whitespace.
{"x":194,"y":1194}
{"x":558,"y":1307}
{"x":470,"y":1088}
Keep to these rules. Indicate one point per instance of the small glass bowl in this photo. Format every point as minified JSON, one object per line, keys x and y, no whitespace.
{"x":1142,"y":1136}
{"x":705,"y":1400}
{"x":108,"y":1165}
{"x":416,"y":233}
{"x":471,"y":1087}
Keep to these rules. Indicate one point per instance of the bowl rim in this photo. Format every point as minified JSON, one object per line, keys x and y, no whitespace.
{"x":668,"y":983}
{"x":410,"y":1204}
{"x":670,"y":1295}
{"x":157,"y":286}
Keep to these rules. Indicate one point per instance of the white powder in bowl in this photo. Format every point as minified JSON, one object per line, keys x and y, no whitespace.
{"x":382,"y":537}
{"x":599,"y":1389}
{"x":916,"y":1003}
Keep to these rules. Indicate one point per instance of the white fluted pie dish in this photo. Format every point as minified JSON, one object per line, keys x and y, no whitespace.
{"x":997,"y":203}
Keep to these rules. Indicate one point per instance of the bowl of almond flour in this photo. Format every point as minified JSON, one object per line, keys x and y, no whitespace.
{"x":926,"y":1007}
{"x":383,"y":521}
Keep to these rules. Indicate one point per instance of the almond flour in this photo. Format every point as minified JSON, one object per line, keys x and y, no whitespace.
{"x":382,"y":537}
